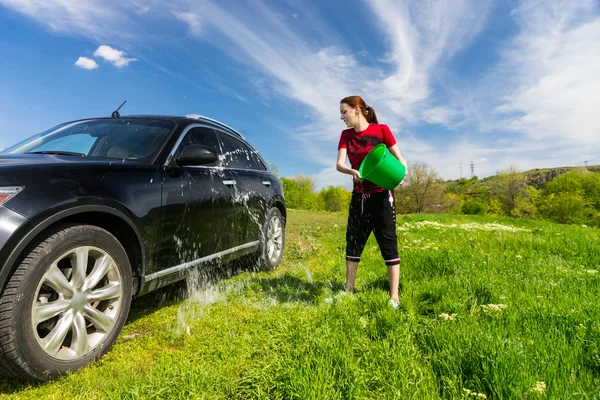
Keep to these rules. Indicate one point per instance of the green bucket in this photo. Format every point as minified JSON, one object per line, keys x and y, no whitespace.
{"x":382,"y":168}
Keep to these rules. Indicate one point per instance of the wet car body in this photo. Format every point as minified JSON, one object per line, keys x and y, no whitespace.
{"x":170,"y":213}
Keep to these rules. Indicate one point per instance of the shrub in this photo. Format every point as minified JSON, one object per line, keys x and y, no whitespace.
{"x":567,"y":208}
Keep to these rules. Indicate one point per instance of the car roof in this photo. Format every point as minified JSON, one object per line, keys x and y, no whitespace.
{"x":185,"y":120}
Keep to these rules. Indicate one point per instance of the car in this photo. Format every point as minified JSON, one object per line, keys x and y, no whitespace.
{"x":98,"y":211}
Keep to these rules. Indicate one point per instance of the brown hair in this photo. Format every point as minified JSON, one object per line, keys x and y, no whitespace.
{"x":367,"y":111}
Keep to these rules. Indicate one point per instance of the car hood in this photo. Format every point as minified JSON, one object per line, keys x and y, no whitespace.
{"x":21,"y":169}
{"x":15,"y":160}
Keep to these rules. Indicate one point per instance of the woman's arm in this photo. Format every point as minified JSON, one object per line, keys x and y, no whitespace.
{"x":341,"y":165}
{"x":396,"y":153}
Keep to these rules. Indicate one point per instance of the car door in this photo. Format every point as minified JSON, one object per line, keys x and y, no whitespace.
{"x":249,"y":200}
{"x":197,"y":222}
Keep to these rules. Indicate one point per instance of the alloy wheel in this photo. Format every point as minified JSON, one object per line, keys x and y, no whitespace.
{"x":274,"y":239}
{"x":77,"y":303}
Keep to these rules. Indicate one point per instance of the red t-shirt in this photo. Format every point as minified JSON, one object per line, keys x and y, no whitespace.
{"x":358,"y":145}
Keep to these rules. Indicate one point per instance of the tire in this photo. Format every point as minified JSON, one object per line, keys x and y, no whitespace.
{"x":54,"y":319}
{"x":272,"y":240}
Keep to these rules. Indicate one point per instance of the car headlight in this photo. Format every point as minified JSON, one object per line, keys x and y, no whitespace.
{"x":6,"y":193}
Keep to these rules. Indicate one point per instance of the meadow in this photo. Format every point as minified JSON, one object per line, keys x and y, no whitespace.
{"x":494,"y":308}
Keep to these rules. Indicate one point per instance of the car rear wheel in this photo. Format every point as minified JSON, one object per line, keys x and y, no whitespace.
{"x":272,"y":240}
{"x":65,"y":304}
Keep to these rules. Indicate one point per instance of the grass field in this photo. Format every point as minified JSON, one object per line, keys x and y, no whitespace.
{"x":490,"y":308}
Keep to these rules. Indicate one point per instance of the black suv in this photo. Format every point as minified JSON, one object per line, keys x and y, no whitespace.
{"x":97,"y":211}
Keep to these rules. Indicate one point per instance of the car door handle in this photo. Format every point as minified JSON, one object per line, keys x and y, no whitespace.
{"x":229,"y":183}
{"x":266,"y":183}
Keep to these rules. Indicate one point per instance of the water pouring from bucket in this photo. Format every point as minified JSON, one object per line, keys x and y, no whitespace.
{"x":382,"y":168}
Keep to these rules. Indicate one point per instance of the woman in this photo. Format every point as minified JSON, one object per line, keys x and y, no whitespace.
{"x":372,"y":207}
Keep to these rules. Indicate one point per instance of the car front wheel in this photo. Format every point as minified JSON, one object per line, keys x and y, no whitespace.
{"x":65,"y":304}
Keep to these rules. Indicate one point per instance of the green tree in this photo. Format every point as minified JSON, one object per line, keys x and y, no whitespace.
{"x":299,"y":193}
{"x":573,"y":197}
{"x":452,"y":203}
{"x":474,"y":206}
{"x":462,"y":185}
{"x":476,"y":200}
{"x":422,"y":191}
{"x":335,"y":198}
{"x":526,"y":205}
{"x":567,"y":208}
{"x":271,"y":166}
{"x":581,"y":181}
{"x":495,"y":207}
{"x":510,"y":186}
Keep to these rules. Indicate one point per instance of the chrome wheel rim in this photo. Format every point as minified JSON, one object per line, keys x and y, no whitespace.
{"x":274,"y":239}
{"x":77,"y":303}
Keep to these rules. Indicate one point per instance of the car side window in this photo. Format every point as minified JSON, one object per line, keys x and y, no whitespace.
{"x":202,"y":136}
{"x":258,"y":162}
{"x":235,"y":153}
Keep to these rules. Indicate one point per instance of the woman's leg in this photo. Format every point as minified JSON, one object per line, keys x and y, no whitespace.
{"x":357,"y":233}
{"x":351,"y":268}
{"x":394,"y":279}
{"x":385,"y":233}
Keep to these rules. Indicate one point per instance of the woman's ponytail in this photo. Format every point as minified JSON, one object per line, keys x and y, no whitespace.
{"x":370,"y":116}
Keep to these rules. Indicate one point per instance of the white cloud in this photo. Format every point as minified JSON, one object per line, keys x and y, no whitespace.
{"x":554,"y":72}
{"x":113,"y":56}
{"x":193,"y":21}
{"x":438,"y":115}
{"x":537,"y":108}
{"x":421,"y":36}
{"x":91,"y":18}
{"x":86,"y":63}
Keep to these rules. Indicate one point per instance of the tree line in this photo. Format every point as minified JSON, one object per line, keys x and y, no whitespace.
{"x":572,"y":197}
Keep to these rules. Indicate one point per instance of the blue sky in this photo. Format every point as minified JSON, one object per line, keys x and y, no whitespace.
{"x":495,"y":83}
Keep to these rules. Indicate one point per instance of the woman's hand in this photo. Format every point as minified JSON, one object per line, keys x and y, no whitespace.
{"x":356,"y":176}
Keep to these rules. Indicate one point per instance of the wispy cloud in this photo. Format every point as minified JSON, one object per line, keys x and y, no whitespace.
{"x":113,"y":56}
{"x":86,"y":63}
{"x":90,"y":18}
{"x":554,"y":65}
{"x":193,"y":21}
{"x":421,"y":36}
{"x":537,"y":107}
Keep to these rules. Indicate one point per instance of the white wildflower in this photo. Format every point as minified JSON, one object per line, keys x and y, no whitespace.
{"x":540,"y":387}
{"x":592,"y":271}
{"x":363,"y":322}
{"x":447,"y":317}
{"x":470,"y":393}
{"x":493,"y":308}
{"x":467,"y":227}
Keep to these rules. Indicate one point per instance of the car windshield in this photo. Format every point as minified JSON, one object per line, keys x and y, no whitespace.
{"x":123,"y":138}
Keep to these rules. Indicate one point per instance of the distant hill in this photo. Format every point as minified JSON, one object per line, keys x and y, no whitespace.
{"x":537,"y":177}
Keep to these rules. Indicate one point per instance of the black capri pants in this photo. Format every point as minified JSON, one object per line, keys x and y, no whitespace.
{"x":375,"y":213}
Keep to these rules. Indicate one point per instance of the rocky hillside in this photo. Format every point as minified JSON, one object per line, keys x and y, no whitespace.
{"x":539,"y":177}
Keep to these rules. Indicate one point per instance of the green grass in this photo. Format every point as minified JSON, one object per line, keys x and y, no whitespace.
{"x":489,"y":305}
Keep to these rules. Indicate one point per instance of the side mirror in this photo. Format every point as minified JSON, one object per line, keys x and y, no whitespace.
{"x":197,"y":155}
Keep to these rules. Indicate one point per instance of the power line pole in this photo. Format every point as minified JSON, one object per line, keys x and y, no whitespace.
{"x":585,"y":163}
{"x":472,"y":169}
